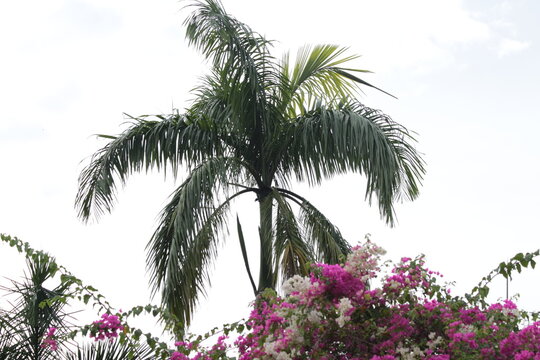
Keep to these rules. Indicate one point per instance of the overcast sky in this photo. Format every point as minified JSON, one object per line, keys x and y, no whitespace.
{"x":466,"y":74}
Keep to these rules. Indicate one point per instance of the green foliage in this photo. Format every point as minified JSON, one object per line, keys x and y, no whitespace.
{"x":480,"y":292}
{"x":36,"y":307}
{"x":77,"y":290}
{"x":110,"y":351}
{"x":23,"y":328}
{"x":244,"y":253}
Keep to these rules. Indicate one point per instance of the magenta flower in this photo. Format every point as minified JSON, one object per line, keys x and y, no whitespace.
{"x":49,"y":341}
{"x":106,"y":328}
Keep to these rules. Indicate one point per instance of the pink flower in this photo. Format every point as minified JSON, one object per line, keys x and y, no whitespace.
{"x":106,"y":328}
{"x":49,"y":340}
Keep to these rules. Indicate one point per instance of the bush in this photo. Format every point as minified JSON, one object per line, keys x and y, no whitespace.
{"x":336,"y":314}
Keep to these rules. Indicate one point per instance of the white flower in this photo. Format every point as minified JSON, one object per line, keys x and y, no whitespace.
{"x":364,"y":259}
{"x":514,"y":312}
{"x":270,"y":348}
{"x":283,"y":356}
{"x":408,"y":354}
{"x":466,"y":329}
{"x":343,"y":307}
{"x":314,"y":316}
{"x":434,"y":341}
{"x":293,"y":331}
{"x":403,"y":350}
{"x":296,"y":284}
{"x":417,"y":351}
{"x":342,"y":319}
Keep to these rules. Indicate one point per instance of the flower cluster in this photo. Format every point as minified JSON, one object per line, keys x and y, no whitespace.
{"x":185,"y":348}
{"x":49,"y":341}
{"x":335,"y":314}
{"x":106,"y":328}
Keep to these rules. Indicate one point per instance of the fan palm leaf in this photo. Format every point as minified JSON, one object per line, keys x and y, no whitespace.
{"x":111,"y":350}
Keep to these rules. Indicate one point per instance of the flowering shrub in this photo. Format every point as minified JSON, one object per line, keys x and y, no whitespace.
{"x":217,"y":351}
{"x":335,"y":314}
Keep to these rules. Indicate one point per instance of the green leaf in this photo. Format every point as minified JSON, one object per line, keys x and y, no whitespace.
{"x":244,"y":253}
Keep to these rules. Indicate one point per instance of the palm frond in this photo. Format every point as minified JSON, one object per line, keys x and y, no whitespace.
{"x":111,"y":350}
{"x":228,"y":43}
{"x":188,"y":273}
{"x":292,"y":252}
{"x":323,"y":236}
{"x":327,"y":141}
{"x":8,"y":336}
{"x":170,"y":140}
{"x":241,"y":61}
{"x":185,"y":241}
{"x":232,"y":110}
{"x":244,"y":254}
{"x":318,"y":74}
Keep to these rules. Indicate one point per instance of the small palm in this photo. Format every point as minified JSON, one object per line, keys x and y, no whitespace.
{"x":24,"y":326}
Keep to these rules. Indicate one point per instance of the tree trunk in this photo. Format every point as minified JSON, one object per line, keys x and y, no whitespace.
{"x":266,"y":276}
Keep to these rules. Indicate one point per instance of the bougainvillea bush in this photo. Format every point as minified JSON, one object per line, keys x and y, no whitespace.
{"x":353,"y":311}
{"x":338,"y":313}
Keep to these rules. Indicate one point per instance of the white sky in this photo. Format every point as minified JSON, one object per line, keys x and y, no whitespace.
{"x":466,"y":74}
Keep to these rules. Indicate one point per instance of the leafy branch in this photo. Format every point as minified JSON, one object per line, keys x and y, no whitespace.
{"x":519,"y":261}
{"x":81,"y":292}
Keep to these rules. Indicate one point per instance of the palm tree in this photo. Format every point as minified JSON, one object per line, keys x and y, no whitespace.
{"x":23,"y":327}
{"x":256,"y":125}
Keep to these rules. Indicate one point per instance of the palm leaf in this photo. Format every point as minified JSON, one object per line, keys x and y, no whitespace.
{"x":292,"y":252}
{"x":233,"y":112}
{"x":318,"y":74}
{"x":185,"y":242}
{"x":356,"y":138}
{"x":8,"y":336}
{"x":244,"y":254}
{"x":241,"y":62}
{"x":111,"y":350}
{"x":325,"y":238}
{"x":167,"y":141}
{"x":188,"y":273}
{"x":227,"y":42}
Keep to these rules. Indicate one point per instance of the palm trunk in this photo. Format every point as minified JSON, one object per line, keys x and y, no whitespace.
{"x":266,"y":276}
